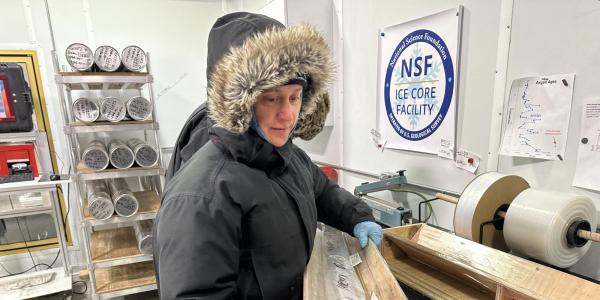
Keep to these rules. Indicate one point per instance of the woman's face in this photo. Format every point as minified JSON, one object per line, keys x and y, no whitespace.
{"x":277,"y":111}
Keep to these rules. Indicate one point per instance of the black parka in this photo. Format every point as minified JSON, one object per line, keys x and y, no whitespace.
{"x":239,"y":219}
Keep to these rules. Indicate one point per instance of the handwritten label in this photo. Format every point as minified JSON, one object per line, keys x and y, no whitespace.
{"x":95,"y":159}
{"x":139,"y":108}
{"x":354,"y":259}
{"x":79,"y":57}
{"x":466,"y":160}
{"x":134,"y":58}
{"x":446,"y":149}
{"x":112,"y":109}
{"x":121,"y":157}
{"x":107,"y":58}
{"x":85,"y":110}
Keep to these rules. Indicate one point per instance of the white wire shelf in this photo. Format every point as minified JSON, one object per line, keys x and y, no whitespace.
{"x":39,"y":184}
{"x":79,"y":127}
{"x":84,"y":173}
{"x":18,"y":137}
{"x":103,"y":80}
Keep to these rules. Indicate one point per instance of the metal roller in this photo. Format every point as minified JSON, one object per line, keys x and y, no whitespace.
{"x":139,"y":108}
{"x":125,"y":203}
{"x":95,"y":156}
{"x":107,"y":58}
{"x":134,"y":58}
{"x":143,"y":235}
{"x":99,"y":203}
{"x":121,"y":156}
{"x":86,"y":110}
{"x":80,"y":57}
{"x":112,"y":109}
{"x":145,"y":155}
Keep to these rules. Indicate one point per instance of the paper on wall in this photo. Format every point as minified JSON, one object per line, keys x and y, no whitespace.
{"x":446,"y":149}
{"x":467,"y":160}
{"x":537,"y":117}
{"x":587,"y":170}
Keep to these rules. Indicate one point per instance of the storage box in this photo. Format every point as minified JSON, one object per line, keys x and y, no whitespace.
{"x":441,"y":265}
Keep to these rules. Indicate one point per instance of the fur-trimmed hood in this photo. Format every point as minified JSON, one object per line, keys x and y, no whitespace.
{"x":268,"y":59}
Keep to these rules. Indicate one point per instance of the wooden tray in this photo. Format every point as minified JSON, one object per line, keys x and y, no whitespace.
{"x":444,"y":266}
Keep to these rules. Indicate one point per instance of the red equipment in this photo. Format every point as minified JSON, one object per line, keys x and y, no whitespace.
{"x":16,"y":160}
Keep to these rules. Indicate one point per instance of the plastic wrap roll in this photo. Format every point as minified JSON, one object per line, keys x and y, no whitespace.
{"x":134,"y":58}
{"x":85,"y":110}
{"x":121,"y":156}
{"x":479,"y":202}
{"x":80,"y":57}
{"x":100,"y":205}
{"x":143,"y":234}
{"x":113,"y":109}
{"x":145,"y":155}
{"x":95,"y":156}
{"x":107,"y":58}
{"x":537,"y":221}
{"x":139,"y":108}
{"x":126,"y":204}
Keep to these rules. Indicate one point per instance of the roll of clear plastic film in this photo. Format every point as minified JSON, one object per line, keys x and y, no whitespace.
{"x":100,"y":205}
{"x":107,"y":58}
{"x":480,"y":201}
{"x":145,"y":155}
{"x":537,"y":224}
{"x":143,"y":235}
{"x":85,"y":110}
{"x":126,"y":204}
{"x":139,"y":108}
{"x":134,"y":58}
{"x":95,"y":156}
{"x":121,"y":156}
{"x":112,"y":109}
{"x":80,"y":57}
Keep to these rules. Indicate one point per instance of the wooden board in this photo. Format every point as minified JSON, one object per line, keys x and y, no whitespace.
{"x":113,"y":244}
{"x":431,"y":282}
{"x":376,"y":277}
{"x":124,"y":277}
{"x":149,"y":202}
{"x":480,"y":267}
{"x":373,"y":272}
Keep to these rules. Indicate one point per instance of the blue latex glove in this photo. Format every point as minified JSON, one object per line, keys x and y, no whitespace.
{"x":368,"y":230}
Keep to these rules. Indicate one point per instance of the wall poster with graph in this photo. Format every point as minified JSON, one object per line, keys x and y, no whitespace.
{"x":537,"y":117}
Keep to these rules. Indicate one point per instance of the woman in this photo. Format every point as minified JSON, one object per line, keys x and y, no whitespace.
{"x":238,"y":219}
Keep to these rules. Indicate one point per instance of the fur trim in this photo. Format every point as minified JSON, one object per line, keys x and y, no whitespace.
{"x":266,"y":60}
{"x":312,"y":124}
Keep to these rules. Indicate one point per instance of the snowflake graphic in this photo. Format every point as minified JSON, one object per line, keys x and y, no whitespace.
{"x":415,"y":83}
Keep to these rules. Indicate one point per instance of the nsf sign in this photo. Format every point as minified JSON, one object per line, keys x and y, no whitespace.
{"x":418,"y":85}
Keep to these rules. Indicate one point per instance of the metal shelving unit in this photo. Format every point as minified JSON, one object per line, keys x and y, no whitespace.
{"x":115,"y":265}
{"x":78,"y":127}
{"x":18,"y":137}
{"x":51,"y":206}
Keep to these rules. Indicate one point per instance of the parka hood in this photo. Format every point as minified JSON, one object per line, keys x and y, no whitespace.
{"x":269,"y":56}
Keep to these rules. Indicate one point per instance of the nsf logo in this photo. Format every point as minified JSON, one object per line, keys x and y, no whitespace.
{"x":419,"y":83}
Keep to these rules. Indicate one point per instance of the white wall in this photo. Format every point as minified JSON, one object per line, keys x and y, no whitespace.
{"x":173,"y":31}
{"x":548,"y":37}
{"x":557,"y":37}
{"x":361,"y":22}
{"x":325,"y":15}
